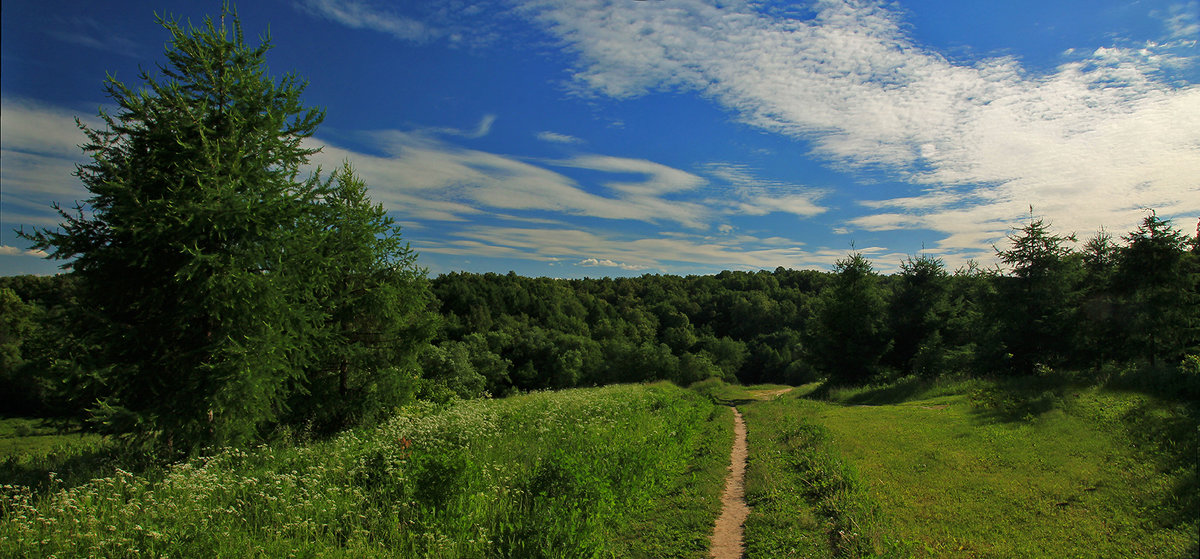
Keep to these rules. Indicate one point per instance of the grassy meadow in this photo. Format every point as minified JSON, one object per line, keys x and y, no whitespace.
{"x":972,"y":469}
{"x":621,"y":471}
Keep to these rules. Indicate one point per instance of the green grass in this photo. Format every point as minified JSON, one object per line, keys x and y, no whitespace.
{"x":26,"y":437}
{"x":40,"y":455}
{"x":806,"y":503}
{"x":977,"y":469}
{"x":1036,"y":467}
{"x":624,"y":471}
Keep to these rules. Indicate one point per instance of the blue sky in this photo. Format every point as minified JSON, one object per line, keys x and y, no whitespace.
{"x":589,"y":138}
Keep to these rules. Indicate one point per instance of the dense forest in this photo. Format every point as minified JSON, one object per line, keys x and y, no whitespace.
{"x":1126,"y":310}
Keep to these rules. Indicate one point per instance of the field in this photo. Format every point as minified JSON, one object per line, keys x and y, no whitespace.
{"x":973,"y":470}
{"x":912,"y":469}
{"x":623,"y":471}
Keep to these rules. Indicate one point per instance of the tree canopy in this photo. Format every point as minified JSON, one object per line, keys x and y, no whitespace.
{"x":208,"y":265}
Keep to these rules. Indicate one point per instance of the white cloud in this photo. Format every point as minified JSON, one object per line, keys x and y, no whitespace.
{"x":556,"y":138}
{"x":425,"y":178}
{"x":660,"y":179}
{"x":1182,"y":20}
{"x":1086,"y":144}
{"x":752,"y":195}
{"x":39,"y":149}
{"x":360,"y":15}
{"x":6,"y":250}
{"x":470,"y":23}
{"x":32,"y":127}
{"x":663,"y":251}
{"x":482,"y":129}
{"x":593,"y":262}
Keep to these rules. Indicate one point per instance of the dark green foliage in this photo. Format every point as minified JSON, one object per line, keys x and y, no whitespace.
{"x":918,"y":315}
{"x":192,"y":251}
{"x":1099,"y":313}
{"x":374,"y":300}
{"x":1053,"y":308}
{"x":48,"y":350}
{"x":848,"y":336}
{"x":1037,"y":297}
{"x":219,"y":286}
{"x":17,"y":325}
{"x":543,"y":333}
{"x":1157,"y":277}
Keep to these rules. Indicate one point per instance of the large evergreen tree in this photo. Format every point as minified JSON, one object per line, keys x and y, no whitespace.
{"x":849,"y":336}
{"x":199,"y":252}
{"x":918,"y":314}
{"x":1037,"y":300}
{"x":1157,"y":278}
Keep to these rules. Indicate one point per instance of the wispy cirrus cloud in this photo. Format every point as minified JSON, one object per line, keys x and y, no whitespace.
{"x":361,"y":15}
{"x":677,"y":251}
{"x":39,"y":149}
{"x":1182,"y":20}
{"x":556,"y":138}
{"x":1088,"y":143}
{"x":482,"y":129}
{"x":427,"y":178}
{"x":753,"y":195}
{"x":88,"y":32}
{"x":457,"y":22}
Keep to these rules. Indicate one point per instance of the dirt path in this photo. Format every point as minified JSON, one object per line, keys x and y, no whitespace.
{"x":727,"y":536}
{"x":772,"y":394}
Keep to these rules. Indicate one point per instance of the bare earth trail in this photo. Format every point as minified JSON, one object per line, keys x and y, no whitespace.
{"x":727,"y":534}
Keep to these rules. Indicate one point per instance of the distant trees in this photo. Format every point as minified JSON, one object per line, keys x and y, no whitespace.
{"x":1049,"y":306}
{"x":218,"y":285}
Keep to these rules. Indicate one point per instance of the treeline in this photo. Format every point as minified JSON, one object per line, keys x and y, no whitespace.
{"x":1111,"y":306}
{"x":1126,"y":306}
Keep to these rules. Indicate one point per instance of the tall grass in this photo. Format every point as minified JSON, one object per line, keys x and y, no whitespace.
{"x":577,"y":473}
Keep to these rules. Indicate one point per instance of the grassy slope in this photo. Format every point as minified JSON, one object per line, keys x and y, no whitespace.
{"x":625,"y":471}
{"x":1057,"y":473}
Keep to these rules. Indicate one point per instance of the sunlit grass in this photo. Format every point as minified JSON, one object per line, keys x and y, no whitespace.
{"x":29,"y":438}
{"x":580,"y":473}
{"x":992,"y":472}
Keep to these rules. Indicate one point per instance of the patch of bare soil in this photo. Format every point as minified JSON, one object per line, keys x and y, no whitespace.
{"x":727,"y":535}
{"x":772,"y":394}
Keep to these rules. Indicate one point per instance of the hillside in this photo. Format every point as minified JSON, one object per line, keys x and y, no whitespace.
{"x":621,"y":471}
{"x":911,"y":469}
{"x":973,"y":469}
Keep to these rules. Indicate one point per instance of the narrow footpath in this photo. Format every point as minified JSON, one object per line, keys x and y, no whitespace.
{"x":727,"y":535}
